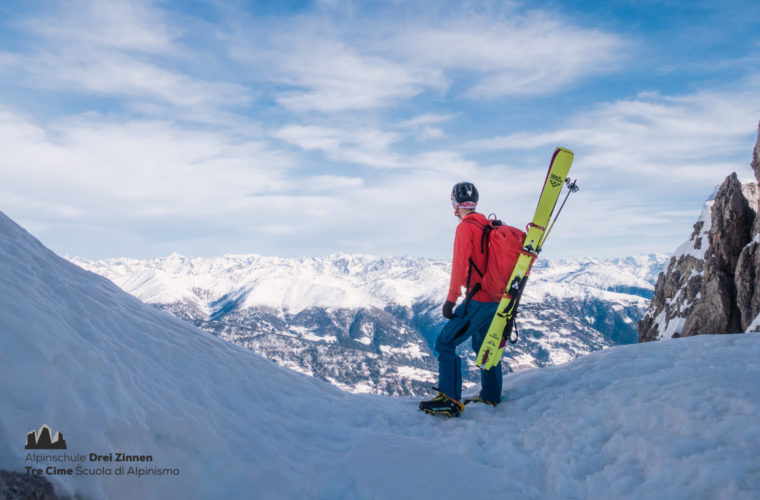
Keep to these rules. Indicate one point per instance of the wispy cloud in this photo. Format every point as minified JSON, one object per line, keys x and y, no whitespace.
{"x":513,"y":54}
{"x":139,"y":168}
{"x":126,"y":76}
{"x":149,"y":181}
{"x":422,"y":126}
{"x":329,"y":75}
{"x":678,"y":139}
{"x":333,"y":65}
{"x":137,"y":25}
{"x":123,"y":49}
{"x":364,"y":146}
{"x":425,"y":119}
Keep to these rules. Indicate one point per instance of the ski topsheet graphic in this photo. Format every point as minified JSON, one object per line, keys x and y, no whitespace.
{"x":503,"y":321}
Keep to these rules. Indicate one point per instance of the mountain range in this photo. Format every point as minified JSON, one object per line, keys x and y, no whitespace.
{"x":368,"y":324}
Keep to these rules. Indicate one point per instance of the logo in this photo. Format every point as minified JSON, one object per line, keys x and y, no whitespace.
{"x":41,"y":440}
{"x":555,"y":180}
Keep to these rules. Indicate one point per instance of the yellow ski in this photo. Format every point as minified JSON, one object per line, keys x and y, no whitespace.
{"x":501,"y":326}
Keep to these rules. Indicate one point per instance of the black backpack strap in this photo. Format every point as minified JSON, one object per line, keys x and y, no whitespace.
{"x":486,"y":228}
{"x":477,"y":286}
{"x":475,"y":289}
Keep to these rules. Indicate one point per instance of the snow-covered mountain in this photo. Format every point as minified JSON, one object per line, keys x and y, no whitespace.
{"x":116,"y":376}
{"x":368,"y":324}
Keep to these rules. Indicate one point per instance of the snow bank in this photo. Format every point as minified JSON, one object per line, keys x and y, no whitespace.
{"x":672,"y":419}
{"x":755,"y":325}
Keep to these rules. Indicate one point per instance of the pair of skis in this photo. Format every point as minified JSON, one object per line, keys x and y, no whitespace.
{"x":503,"y":321}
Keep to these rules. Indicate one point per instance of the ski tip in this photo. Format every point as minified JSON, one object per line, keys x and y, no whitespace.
{"x":566,"y":150}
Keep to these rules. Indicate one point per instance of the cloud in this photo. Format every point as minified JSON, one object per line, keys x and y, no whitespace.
{"x":644,"y":165}
{"x":341,"y":124}
{"x":137,"y":25}
{"x":146,"y":187}
{"x":427,"y":133}
{"x":332,"y":183}
{"x":134,"y":169}
{"x":513,"y":54}
{"x":126,"y":76}
{"x":421,"y":127}
{"x":365,"y":146}
{"x":425,"y":119}
{"x":673,"y":139}
{"x":366,"y":60}
{"x":122,"y":49}
{"x":334,"y":77}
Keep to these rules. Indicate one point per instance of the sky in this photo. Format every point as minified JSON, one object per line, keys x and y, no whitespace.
{"x":143,"y":128}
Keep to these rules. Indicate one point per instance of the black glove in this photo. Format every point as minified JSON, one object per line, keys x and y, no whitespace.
{"x":448,"y":309}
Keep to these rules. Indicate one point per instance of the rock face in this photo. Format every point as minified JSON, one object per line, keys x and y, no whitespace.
{"x":732,"y":219}
{"x":15,"y":485}
{"x":678,"y":288}
{"x":710,"y":284}
{"x":748,"y":265}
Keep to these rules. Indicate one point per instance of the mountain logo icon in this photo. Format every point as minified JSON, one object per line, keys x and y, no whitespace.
{"x":42,"y":440}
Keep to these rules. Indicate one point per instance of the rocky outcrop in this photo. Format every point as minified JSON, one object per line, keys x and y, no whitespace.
{"x":748,"y":265}
{"x":18,"y":486}
{"x":678,"y":288}
{"x":732,"y":219}
{"x":710,"y":284}
{"x":748,"y":295}
{"x":675,"y":294}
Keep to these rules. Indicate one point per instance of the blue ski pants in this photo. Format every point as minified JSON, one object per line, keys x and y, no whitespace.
{"x":473,"y":322}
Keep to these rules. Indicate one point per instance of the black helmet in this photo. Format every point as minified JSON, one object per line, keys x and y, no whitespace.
{"x":465,"y":195}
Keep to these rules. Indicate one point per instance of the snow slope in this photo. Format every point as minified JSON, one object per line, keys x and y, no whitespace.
{"x":674,"y":419}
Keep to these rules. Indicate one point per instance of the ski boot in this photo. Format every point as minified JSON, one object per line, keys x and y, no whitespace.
{"x":442,"y":405}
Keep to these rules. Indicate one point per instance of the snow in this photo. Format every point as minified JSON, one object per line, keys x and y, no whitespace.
{"x":410,"y":371}
{"x":755,"y":325}
{"x":751,"y":193}
{"x":306,"y":334}
{"x":410,"y":350}
{"x":667,"y":329}
{"x":689,"y":247}
{"x":671,"y":419}
{"x":336,"y":282}
{"x":604,"y":275}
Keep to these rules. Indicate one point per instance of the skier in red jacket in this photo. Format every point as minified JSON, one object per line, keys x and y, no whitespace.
{"x":472,"y":317}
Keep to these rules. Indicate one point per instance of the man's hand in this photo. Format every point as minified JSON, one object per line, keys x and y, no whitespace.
{"x":448,"y":309}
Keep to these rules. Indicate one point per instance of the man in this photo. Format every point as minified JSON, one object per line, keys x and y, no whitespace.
{"x":472,"y":317}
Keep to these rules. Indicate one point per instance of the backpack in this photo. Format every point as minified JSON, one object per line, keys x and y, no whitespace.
{"x":502,"y":245}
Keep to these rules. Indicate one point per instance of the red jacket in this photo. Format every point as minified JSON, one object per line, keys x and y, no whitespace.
{"x":466,"y":246}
